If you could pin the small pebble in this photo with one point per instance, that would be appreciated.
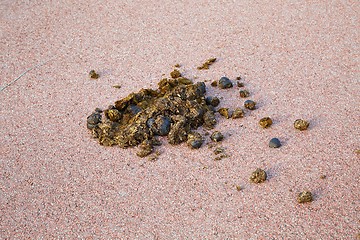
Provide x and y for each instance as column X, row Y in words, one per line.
column 249, row 104
column 225, row 82
column 258, row 176
column 213, row 101
column 274, row 143
column 304, row 197
column 217, row 136
column 265, row 122
column 244, row 93
column 301, row 124
column 238, row 113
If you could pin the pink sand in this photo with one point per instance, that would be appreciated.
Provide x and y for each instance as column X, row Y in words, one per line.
column 299, row 60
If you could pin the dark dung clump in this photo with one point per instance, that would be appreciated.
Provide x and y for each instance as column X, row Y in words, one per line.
column 175, row 109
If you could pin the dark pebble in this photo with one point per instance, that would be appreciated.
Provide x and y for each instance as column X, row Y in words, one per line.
column 225, row 82
column 93, row 120
column 195, row 140
column 274, row 143
column 213, row 101
column 249, row 104
column 159, row 126
column 201, row 87
column 217, row 136
column 134, row 109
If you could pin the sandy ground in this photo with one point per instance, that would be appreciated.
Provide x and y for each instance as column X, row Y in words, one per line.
column 299, row 59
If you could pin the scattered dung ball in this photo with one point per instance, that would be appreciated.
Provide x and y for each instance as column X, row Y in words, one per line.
column 93, row 120
column 207, row 63
column 175, row 74
column 217, row 136
column 238, row 113
column 93, row 74
column 301, row 124
column 258, row 176
column 304, row 197
column 213, row 101
column 265, row 122
column 225, row 82
column 249, row 104
column 225, row 112
column 274, row 143
column 195, row 140
column 244, row 93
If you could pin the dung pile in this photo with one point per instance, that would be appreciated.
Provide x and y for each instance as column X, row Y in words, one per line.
column 176, row 109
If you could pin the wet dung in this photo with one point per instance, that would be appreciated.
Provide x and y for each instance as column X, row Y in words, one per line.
column 175, row 110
